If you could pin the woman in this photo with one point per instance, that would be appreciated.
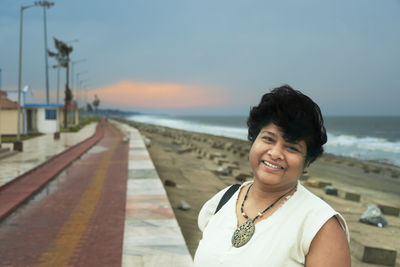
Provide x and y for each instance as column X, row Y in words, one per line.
column 273, row 220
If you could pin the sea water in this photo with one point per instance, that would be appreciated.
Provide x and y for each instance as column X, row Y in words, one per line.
column 367, row 138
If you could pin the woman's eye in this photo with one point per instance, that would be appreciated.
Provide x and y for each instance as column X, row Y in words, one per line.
column 267, row 138
column 292, row 148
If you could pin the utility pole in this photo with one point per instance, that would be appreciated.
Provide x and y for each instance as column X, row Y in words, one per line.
column 73, row 87
column 45, row 4
column 18, row 143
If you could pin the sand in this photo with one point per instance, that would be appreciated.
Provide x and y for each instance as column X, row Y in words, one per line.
column 189, row 161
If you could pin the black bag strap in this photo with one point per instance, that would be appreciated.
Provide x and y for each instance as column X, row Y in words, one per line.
column 228, row 194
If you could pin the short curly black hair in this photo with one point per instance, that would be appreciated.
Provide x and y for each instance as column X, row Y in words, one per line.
column 295, row 114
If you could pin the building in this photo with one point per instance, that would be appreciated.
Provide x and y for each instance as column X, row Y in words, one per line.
column 39, row 117
column 72, row 116
column 8, row 115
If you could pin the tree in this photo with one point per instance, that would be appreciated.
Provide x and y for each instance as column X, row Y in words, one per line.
column 62, row 56
column 96, row 102
column 89, row 107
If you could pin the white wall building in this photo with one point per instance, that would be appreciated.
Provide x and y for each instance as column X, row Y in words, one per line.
column 41, row 118
column 36, row 117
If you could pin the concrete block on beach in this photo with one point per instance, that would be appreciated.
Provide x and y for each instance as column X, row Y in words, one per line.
column 222, row 171
column 183, row 205
column 330, row 190
column 182, row 150
column 304, row 177
column 231, row 167
column 228, row 146
column 352, row 196
column 371, row 254
column 210, row 156
column 220, row 161
column 146, row 141
column 388, row 210
column 219, row 155
column 311, row 183
column 217, row 145
column 242, row 177
column 322, row 184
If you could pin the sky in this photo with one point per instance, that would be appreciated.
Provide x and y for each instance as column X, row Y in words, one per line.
column 212, row 57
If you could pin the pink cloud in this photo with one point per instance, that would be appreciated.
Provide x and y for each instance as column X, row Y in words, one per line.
column 160, row 95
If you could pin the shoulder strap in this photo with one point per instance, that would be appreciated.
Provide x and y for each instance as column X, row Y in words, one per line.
column 228, row 194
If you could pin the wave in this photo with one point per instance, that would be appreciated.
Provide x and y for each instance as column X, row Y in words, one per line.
column 365, row 148
column 228, row 131
column 369, row 143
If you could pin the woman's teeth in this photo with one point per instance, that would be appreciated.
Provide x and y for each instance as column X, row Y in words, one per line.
column 272, row 165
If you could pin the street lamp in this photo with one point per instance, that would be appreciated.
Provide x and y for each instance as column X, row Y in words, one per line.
column 45, row 4
column 77, row 81
column 72, row 70
column 18, row 143
column 57, row 134
column 81, row 85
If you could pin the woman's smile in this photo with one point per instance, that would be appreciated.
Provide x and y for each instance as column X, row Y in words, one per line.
column 272, row 166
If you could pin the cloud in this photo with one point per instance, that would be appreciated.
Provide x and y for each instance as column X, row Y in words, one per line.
column 134, row 94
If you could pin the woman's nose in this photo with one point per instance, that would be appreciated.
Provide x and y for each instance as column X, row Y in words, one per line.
column 276, row 152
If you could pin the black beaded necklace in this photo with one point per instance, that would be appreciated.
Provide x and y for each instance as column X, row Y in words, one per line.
column 245, row 231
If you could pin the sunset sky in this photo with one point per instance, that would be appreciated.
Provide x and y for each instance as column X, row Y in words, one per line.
column 213, row 57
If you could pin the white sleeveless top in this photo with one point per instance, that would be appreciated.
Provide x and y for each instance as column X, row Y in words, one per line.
column 283, row 239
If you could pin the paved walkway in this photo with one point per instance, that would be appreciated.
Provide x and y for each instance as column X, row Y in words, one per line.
column 39, row 149
column 107, row 209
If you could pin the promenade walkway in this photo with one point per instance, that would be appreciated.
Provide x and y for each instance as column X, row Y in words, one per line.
column 106, row 209
column 39, row 149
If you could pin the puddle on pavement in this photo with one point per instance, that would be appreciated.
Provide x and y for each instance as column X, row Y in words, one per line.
column 97, row 149
column 8, row 223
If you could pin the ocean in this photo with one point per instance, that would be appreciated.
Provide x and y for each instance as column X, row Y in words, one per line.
column 366, row 138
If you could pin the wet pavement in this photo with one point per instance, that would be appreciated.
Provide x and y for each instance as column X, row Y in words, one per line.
column 39, row 149
column 108, row 208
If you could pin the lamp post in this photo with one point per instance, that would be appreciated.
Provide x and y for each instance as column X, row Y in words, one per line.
column 18, row 143
column 81, row 85
column 72, row 71
column 57, row 133
column 45, row 4
column 77, row 81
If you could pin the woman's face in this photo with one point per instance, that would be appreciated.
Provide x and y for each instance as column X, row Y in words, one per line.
column 274, row 160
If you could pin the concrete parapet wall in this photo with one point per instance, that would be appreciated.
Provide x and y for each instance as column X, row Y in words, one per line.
column 152, row 236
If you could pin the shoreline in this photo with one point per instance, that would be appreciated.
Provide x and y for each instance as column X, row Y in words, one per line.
column 373, row 148
column 189, row 165
column 366, row 163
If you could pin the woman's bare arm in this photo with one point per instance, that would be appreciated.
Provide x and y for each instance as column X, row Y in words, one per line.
column 329, row 247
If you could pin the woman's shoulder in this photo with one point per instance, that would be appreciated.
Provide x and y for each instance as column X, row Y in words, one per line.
column 312, row 201
column 318, row 212
column 209, row 208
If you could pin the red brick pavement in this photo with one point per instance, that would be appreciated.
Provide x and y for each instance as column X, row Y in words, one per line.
column 81, row 223
column 14, row 193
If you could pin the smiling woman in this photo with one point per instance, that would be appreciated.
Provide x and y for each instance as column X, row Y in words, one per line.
column 273, row 220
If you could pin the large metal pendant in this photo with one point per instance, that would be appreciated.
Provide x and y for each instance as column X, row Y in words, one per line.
column 243, row 233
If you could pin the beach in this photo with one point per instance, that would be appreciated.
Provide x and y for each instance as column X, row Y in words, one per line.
column 195, row 166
